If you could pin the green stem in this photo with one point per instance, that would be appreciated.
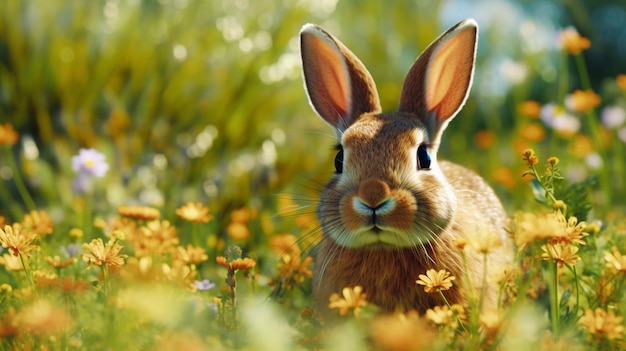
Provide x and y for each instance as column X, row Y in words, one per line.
column 554, row 300
column 19, row 182
column 443, row 297
column 27, row 271
column 106, row 284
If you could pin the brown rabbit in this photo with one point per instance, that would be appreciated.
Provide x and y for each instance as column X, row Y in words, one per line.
column 392, row 210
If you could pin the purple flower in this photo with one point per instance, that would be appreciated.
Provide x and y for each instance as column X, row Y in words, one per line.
column 71, row 250
column 90, row 162
column 204, row 285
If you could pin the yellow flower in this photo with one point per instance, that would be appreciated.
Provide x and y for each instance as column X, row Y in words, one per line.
column 238, row 231
column 529, row 157
column 484, row 241
column 38, row 222
column 603, row 323
column 582, row 101
column 615, row 260
column 403, row 332
column 533, row 132
column 353, row 300
column 139, row 212
column 529, row 108
column 435, row 281
column 485, row 139
column 18, row 241
column 56, row 262
column 552, row 226
column 293, row 269
column 560, row 254
column 440, row 315
column 191, row 254
column 8, row 136
column 12, row 263
column 572, row 41
column 571, row 230
column 99, row 254
column 194, row 212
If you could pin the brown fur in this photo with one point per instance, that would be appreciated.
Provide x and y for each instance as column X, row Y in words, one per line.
column 387, row 218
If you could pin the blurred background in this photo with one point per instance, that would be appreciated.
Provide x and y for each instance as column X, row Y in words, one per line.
column 203, row 100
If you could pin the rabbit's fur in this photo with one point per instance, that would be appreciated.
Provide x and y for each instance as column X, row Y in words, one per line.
column 392, row 210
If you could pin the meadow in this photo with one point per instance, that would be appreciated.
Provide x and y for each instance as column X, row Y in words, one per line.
column 160, row 167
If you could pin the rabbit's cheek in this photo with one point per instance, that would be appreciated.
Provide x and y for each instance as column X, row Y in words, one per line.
column 352, row 220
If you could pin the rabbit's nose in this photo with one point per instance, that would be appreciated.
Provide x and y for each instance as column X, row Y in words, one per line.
column 374, row 193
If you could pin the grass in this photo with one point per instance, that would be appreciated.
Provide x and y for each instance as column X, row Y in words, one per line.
column 197, row 109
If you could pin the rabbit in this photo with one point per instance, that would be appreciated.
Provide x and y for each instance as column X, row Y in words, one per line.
column 392, row 210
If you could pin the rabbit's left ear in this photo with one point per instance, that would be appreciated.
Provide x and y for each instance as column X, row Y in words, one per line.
column 438, row 84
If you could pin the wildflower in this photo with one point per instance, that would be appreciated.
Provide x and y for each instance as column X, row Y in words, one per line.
column 238, row 263
column 238, row 231
column 42, row 318
column 621, row 81
column 203, row 285
column 560, row 254
column 529, row 156
column 190, row 254
column 194, row 212
column 8, row 136
column 533, row 132
column 613, row 117
column 403, row 331
column 76, row 233
column 529, row 108
column 484, row 139
column 572, row 41
column 98, row 253
column 12, row 263
column 38, row 222
column 600, row 322
column 435, row 281
column 90, row 162
column 615, row 260
column 557, row 118
column 70, row 250
column 485, row 240
column 139, row 212
column 56, row 262
column 353, row 300
column 440, row 315
column 294, row 269
column 18, row 241
column 284, row 244
column 491, row 322
column 582, row 101
column 570, row 232
column 155, row 238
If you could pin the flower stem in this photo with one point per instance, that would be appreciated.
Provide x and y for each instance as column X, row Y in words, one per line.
column 19, row 182
column 27, row 271
column 554, row 300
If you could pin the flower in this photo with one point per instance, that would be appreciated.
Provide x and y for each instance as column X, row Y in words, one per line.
column 557, row 118
column 203, row 285
column 18, row 241
column 190, row 254
column 560, row 254
column 8, row 136
column 56, row 262
column 484, row 240
column 353, row 300
column 403, row 332
column 620, row 80
column 90, row 163
column 12, row 263
column 238, row 263
column 38, row 222
column 194, row 212
column 99, row 254
column 572, row 41
column 484, row 139
column 582, row 101
column 613, row 117
column 293, row 269
column 139, row 212
column 603, row 323
column 529, row 108
column 615, row 260
column 440, row 315
column 529, row 156
column 435, row 281
column 533, row 132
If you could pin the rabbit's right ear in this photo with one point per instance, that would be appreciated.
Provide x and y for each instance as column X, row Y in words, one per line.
column 338, row 85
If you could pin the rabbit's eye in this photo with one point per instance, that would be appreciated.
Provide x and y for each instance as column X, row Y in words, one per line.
column 339, row 160
column 423, row 158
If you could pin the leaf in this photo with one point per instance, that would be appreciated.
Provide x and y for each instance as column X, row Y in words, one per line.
column 538, row 191
column 576, row 196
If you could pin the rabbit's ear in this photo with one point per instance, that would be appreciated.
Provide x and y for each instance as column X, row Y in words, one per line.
column 338, row 85
column 438, row 84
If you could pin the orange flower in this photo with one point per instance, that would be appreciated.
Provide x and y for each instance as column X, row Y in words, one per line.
column 533, row 132
column 238, row 263
column 38, row 222
column 139, row 212
column 560, row 254
column 18, row 241
column 353, row 300
column 99, row 254
column 621, row 81
column 582, row 101
column 603, row 323
column 435, row 281
column 194, row 212
column 8, row 136
column 529, row 108
column 572, row 41
column 529, row 156
column 484, row 139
